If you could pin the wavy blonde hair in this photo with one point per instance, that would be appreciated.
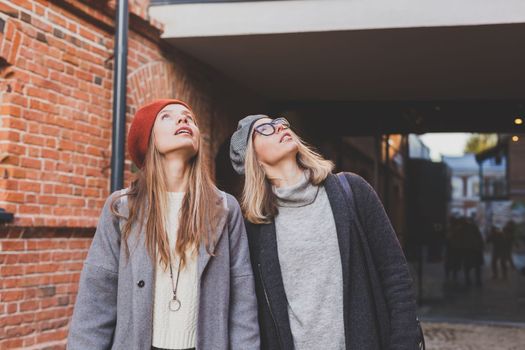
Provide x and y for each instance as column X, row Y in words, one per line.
column 258, row 202
column 200, row 211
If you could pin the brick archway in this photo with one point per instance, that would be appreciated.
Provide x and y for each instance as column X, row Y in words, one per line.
column 149, row 82
column 10, row 39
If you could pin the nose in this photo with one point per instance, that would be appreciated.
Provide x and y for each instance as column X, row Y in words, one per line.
column 182, row 119
column 279, row 127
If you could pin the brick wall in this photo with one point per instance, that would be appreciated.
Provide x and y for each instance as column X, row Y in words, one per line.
column 40, row 272
column 55, row 133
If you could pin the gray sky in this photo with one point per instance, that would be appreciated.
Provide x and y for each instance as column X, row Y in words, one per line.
column 448, row 144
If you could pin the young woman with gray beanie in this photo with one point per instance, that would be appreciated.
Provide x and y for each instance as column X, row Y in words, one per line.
column 328, row 275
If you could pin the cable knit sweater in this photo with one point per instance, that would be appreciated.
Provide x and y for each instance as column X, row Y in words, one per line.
column 175, row 329
column 311, row 266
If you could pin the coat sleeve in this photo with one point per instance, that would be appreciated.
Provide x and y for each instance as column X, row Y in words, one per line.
column 391, row 266
column 243, row 322
column 95, row 313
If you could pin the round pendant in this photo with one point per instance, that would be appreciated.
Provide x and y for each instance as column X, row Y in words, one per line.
column 174, row 305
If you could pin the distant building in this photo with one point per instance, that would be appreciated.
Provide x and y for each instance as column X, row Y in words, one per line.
column 416, row 148
column 465, row 180
column 503, row 195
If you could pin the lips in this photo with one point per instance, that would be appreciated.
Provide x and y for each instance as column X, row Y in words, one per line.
column 184, row 130
column 286, row 137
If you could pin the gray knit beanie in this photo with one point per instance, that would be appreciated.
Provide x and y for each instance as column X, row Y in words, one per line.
column 239, row 141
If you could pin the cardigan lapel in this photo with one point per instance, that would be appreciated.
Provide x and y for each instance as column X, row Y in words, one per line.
column 271, row 276
column 342, row 220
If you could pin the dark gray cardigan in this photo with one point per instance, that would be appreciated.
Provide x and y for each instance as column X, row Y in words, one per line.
column 378, row 301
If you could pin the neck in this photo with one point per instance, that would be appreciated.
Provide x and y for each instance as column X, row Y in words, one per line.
column 285, row 173
column 177, row 173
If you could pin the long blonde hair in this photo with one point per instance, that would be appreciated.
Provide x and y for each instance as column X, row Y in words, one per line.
column 259, row 203
column 147, row 202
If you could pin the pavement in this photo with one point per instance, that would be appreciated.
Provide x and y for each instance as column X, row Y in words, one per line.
column 498, row 300
column 459, row 317
column 459, row 336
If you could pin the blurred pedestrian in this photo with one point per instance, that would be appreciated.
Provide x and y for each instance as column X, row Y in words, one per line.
column 453, row 249
column 499, row 251
column 508, row 232
column 472, row 250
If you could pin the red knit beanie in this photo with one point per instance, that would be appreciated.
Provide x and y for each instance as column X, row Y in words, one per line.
column 141, row 126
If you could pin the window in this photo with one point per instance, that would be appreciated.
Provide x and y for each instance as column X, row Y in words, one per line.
column 457, row 187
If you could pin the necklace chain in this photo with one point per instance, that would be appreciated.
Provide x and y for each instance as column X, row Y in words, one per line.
column 174, row 304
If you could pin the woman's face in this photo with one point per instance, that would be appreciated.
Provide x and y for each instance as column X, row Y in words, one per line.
column 271, row 149
column 175, row 130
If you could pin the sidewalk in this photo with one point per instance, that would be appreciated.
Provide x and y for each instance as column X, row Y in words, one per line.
column 457, row 336
column 499, row 300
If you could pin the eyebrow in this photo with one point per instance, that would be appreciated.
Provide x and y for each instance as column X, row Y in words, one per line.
column 187, row 113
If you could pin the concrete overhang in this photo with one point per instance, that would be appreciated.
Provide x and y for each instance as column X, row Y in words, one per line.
column 358, row 50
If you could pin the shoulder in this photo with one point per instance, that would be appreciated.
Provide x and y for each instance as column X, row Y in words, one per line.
column 116, row 202
column 231, row 206
column 365, row 195
column 357, row 180
column 362, row 190
column 360, row 186
column 231, row 202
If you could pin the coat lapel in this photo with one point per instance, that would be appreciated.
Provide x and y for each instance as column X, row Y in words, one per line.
column 204, row 257
column 342, row 220
column 142, row 269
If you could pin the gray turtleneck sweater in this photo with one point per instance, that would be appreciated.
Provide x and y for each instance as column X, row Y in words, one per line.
column 311, row 266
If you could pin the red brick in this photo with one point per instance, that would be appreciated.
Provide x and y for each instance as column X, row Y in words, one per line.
column 17, row 123
column 11, row 295
column 8, row 10
column 16, row 197
column 12, row 308
column 45, row 268
column 14, row 48
column 11, row 160
column 9, row 135
column 29, row 209
column 31, row 163
column 15, row 148
column 11, row 270
column 12, row 245
column 29, row 258
column 56, row 18
column 12, row 343
column 54, row 335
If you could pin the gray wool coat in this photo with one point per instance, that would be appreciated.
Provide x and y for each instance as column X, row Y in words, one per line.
column 114, row 304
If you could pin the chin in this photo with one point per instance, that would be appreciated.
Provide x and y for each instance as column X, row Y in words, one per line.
column 288, row 149
column 189, row 150
column 290, row 146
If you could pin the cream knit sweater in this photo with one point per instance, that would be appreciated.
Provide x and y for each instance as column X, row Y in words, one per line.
column 175, row 330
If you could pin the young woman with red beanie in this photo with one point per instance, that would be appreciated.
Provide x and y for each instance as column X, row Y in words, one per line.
column 169, row 265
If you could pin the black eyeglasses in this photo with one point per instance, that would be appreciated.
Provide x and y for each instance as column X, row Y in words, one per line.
column 270, row 128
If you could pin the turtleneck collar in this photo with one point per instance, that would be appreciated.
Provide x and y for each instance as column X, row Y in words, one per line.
column 299, row 194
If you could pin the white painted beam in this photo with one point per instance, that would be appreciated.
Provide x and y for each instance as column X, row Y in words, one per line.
column 300, row 16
